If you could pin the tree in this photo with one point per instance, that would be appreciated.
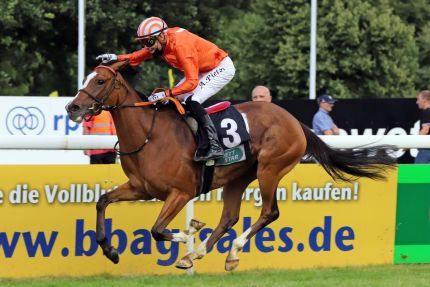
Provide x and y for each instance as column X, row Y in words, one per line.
column 363, row 50
column 40, row 40
column 417, row 14
column 27, row 34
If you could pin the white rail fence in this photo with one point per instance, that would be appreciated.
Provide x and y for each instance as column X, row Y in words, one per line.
column 81, row 142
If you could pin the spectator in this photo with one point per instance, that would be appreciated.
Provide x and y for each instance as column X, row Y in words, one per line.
column 423, row 103
column 322, row 123
column 101, row 124
column 261, row 94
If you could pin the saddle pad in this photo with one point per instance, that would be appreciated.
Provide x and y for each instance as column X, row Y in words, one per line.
column 231, row 127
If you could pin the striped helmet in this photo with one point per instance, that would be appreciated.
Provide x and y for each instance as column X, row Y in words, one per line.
column 152, row 26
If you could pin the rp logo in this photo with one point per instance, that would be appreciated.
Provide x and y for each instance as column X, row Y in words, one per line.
column 25, row 121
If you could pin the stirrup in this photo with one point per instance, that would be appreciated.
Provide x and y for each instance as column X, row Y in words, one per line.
column 215, row 154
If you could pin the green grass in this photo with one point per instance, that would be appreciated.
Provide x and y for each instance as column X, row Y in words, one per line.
column 378, row 276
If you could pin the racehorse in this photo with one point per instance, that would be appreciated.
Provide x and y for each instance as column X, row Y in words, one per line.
column 157, row 157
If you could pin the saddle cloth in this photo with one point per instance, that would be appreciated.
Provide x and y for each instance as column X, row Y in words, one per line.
column 232, row 130
column 231, row 127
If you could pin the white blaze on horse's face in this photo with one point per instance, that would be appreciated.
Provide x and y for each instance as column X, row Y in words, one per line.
column 91, row 76
column 87, row 81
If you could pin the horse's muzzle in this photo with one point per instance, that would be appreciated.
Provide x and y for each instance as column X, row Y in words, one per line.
column 74, row 112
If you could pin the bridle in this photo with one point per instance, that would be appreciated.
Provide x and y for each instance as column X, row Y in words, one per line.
column 98, row 104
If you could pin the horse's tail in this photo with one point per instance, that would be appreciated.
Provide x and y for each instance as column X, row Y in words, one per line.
column 363, row 162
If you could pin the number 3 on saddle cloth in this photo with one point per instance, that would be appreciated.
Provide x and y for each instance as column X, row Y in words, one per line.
column 233, row 133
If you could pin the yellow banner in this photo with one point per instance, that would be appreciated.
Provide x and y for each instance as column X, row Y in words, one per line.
column 48, row 219
column 321, row 223
column 48, row 224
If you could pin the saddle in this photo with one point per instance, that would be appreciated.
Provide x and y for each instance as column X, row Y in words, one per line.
column 233, row 132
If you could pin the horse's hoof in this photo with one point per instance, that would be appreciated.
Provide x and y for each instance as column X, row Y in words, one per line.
column 197, row 224
column 232, row 264
column 184, row 263
column 113, row 255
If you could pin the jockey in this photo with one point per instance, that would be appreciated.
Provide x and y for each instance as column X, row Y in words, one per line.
column 207, row 69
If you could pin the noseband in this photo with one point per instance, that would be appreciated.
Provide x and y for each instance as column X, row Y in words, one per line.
column 99, row 105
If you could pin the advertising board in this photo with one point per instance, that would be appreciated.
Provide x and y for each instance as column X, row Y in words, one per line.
column 321, row 223
column 48, row 224
column 47, row 227
column 38, row 116
column 413, row 218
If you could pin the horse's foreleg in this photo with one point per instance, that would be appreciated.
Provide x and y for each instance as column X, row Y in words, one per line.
column 232, row 194
column 124, row 192
column 173, row 204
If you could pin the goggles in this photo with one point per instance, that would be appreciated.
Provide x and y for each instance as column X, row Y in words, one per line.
column 148, row 42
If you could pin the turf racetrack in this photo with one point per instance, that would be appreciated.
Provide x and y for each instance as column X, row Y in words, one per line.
column 372, row 276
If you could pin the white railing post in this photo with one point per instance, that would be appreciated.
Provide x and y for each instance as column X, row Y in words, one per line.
column 190, row 243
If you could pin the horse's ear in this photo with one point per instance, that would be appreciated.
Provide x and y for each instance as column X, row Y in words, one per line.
column 120, row 65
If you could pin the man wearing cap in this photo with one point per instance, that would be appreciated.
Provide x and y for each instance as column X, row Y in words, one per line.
column 322, row 123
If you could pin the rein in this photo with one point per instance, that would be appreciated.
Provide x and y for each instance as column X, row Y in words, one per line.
column 148, row 137
column 178, row 105
column 99, row 105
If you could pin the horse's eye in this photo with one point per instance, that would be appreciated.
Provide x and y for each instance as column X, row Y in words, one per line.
column 100, row 82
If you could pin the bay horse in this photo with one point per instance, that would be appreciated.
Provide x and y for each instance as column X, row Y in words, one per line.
column 162, row 165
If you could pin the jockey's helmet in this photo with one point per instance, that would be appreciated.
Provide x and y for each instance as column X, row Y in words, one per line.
column 152, row 26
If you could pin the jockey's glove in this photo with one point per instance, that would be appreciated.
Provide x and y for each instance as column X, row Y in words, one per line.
column 157, row 96
column 107, row 58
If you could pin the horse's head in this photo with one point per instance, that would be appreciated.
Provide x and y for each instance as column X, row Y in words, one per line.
column 100, row 90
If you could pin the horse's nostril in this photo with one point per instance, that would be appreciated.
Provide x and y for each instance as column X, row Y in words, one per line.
column 74, row 108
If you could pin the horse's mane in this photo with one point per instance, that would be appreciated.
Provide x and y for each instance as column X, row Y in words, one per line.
column 131, row 76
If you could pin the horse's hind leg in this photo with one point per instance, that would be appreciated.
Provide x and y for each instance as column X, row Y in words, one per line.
column 124, row 192
column 269, row 177
column 193, row 228
column 232, row 196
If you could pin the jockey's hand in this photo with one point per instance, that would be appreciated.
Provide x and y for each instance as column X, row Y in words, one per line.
column 156, row 96
column 107, row 58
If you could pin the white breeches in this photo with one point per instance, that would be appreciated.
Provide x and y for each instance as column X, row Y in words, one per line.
column 211, row 82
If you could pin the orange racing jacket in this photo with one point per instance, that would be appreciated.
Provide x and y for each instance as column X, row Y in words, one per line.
column 185, row 51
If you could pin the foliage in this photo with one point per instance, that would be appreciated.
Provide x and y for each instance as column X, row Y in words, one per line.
column 417, row 14
column 365, row 48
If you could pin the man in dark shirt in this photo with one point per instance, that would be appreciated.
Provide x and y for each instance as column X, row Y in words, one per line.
column 423, row 102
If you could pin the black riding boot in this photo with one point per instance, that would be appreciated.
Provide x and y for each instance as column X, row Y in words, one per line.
column 211, row 147
column 215, row 149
